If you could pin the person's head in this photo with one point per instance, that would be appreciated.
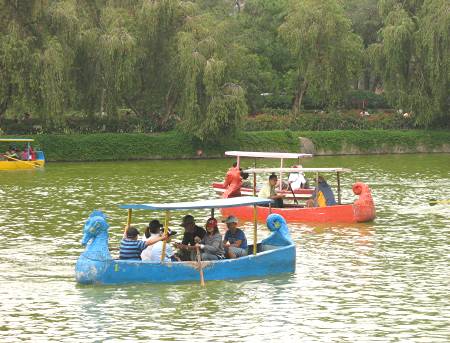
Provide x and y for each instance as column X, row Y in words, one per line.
column 188, row 222
column 154, row 227
column 211, row 226
column 244, row 175
column 234, row 164
column 321, row 179
column 273, row 179
column 231, row 222
column 132, row 233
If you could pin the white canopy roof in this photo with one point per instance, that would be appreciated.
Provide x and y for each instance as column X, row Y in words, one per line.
column 296, row 170
column 16, row 140
column 266, row 154
column 191, row 205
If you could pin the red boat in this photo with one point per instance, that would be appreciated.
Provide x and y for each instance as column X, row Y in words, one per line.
column 361, row 210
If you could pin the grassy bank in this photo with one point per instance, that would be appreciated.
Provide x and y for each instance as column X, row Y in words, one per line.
column 171, row 145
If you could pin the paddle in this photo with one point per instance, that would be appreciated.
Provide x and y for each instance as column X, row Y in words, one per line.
column 200, row 267
column 293, row 194
column 435, row 202
column 15, row 159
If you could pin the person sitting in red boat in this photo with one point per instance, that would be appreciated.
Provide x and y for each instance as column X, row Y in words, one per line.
column 268, row 191
column 297, row 180
column 233, row 182
column 322, row 196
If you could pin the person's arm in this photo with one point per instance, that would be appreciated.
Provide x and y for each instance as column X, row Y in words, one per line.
column 153, row 240
column 125, row 231
column 236, row 244
column 215, row 246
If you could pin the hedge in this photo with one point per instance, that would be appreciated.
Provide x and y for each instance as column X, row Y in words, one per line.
column 172, row 145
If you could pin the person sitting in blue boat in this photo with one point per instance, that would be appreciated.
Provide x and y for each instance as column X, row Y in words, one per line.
column 131, row 248
column 268, row 191
column 155, row 251
column 192, row 234
column 322, row 196
column 235, row 242
column 211, row 245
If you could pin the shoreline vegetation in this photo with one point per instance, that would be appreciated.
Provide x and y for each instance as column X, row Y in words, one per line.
column 173, row 145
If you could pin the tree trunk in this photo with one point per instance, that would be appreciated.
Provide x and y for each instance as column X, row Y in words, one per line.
column 302, row 86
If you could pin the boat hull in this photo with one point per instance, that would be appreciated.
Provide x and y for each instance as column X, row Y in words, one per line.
column 330, row 214
column 271, row 262
column 25, row 165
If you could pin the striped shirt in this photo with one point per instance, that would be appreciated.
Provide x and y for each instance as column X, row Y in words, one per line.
column 131, row 249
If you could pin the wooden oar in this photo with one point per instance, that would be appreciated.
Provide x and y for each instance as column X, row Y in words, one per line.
column 200, row 267
column 15, row 159
column 293, row 194
column 435, row 202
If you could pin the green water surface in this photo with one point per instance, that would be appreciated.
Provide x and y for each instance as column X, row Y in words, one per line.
column 385, row 281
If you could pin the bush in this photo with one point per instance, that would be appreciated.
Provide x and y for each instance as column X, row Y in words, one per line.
column 358, row 98
column 322, row 121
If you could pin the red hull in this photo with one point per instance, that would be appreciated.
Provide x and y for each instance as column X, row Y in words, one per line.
column 330, row 214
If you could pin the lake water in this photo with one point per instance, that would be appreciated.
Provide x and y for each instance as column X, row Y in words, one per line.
column 384, row 281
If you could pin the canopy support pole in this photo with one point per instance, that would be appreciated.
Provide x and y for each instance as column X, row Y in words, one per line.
column 238, row 160
column 254, row 184
column 339, row 187
column 166, row 229
column 212, row 213
column 281, row 177
column 255, row 230
column 317, row 190
column 129, row 217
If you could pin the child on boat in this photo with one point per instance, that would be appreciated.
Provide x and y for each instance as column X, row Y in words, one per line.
column 131, row 248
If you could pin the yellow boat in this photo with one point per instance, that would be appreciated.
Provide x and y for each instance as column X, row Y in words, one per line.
column 36, row 161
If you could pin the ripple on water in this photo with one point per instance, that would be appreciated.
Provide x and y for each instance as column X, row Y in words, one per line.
column 381, row 281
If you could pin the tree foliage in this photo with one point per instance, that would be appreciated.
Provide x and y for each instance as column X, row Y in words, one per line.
column 202, row 65
column 325, row 53
column 412, row 56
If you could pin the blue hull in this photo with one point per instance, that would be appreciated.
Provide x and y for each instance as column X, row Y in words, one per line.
column 276, row 255
column 272, row 262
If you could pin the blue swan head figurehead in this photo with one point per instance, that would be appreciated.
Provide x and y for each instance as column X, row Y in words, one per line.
column 95, row 225
column 280, row 232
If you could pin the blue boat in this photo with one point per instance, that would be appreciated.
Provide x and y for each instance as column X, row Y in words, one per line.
column 273, row 255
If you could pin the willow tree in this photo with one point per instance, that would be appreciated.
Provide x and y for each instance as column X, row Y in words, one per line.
column 412, row 56
column 325, row 53
column 211, row 105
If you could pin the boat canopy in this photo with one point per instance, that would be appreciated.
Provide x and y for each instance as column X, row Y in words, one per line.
column 191, row 205
column 296, row 170
column 281, row 155
column 16, row 140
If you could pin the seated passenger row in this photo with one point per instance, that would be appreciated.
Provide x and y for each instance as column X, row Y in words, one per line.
column 209, row 242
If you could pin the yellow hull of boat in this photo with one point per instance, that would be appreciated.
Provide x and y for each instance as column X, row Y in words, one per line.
column 21, row 165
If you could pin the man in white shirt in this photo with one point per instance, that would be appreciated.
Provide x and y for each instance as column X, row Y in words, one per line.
column 297, row 180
